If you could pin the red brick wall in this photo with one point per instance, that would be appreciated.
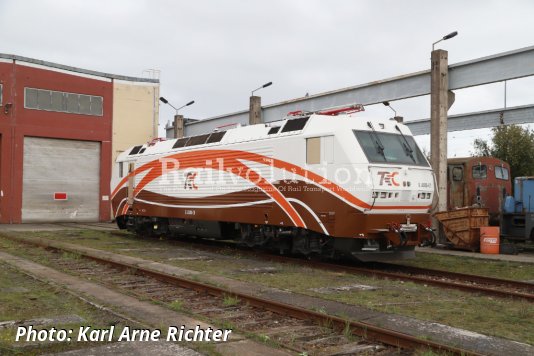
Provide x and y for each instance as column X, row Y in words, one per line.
column 20, row 122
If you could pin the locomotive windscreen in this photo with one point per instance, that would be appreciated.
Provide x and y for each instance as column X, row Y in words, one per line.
column 380, row 147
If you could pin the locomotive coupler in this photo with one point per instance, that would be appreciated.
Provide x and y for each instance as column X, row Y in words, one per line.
column 401, row 230
column 433, row 239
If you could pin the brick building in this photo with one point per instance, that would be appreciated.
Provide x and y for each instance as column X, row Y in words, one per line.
column 60, row 129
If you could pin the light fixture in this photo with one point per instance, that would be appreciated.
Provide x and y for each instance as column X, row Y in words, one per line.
column 446, row 37
column 263, row 86
column 165, row 101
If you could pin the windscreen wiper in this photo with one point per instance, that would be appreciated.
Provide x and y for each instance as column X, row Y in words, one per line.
column 407, row 149
column 379, row 145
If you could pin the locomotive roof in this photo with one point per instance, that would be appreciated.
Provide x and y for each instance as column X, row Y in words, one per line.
column 485, row 159
column 313, row 125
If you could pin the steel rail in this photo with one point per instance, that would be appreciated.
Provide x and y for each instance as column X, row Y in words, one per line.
column 452, row 284
column 367, row 331
column 403, row 276
column 429, row 272
column 458, row 275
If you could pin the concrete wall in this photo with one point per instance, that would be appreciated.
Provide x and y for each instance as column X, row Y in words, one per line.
column 135, row 114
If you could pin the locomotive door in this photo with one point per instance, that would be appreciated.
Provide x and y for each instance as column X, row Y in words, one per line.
column 456, row 186
column 320, row 151
column 131, row 183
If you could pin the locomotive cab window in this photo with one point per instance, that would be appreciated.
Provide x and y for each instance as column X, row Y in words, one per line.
column 480, row 171
column 457, row 174
column 273, row 130
column 121, row 169
column 216, row 137
column 135, row 150
column 382, row 147
column 295, row 124
column 501, row 173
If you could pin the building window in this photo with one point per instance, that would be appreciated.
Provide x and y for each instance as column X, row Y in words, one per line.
column 1, row 94
column 72, row 103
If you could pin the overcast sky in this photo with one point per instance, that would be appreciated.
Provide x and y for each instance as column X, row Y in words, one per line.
column 216, row 52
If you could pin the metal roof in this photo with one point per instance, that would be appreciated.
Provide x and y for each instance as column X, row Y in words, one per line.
column 76, row 70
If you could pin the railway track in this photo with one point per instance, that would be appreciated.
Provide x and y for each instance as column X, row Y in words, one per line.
column 503, row 288
column 297, row 329
column 468, row 282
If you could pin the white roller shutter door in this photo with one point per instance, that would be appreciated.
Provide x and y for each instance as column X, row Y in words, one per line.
column 60, row 166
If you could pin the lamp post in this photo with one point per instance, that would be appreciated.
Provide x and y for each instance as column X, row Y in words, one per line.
column 386, row 103
column 254, row 114
column 178, row 119
column 399, row 119
column 441, row 99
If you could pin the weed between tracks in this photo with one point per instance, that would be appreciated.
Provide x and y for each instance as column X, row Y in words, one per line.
column 488, row 315
column 24, row 298
column 177, row 305
column 230, row 301
column 40, row 255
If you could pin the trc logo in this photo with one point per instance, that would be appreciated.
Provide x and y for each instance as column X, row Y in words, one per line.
column 388, row 178
column 190, row 180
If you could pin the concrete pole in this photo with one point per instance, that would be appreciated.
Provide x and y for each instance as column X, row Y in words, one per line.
column 178, row 126
column 440, row 101
column 254, row 114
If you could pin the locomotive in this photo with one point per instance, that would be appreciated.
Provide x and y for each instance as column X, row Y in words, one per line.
column 484, row 181
column 324, row 183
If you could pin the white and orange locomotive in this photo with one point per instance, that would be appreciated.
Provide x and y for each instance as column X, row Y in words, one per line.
column 311, row 184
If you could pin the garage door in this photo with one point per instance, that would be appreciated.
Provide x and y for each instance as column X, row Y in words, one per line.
column 53, row 167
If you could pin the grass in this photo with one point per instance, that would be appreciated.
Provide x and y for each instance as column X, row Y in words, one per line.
column 230, row 301
column 177, row 305
column 347, row 332
column 492, row 316
column 129, row 244
column 490, row 268
column 41, row 255
column 70, row 256
column 23, row 298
